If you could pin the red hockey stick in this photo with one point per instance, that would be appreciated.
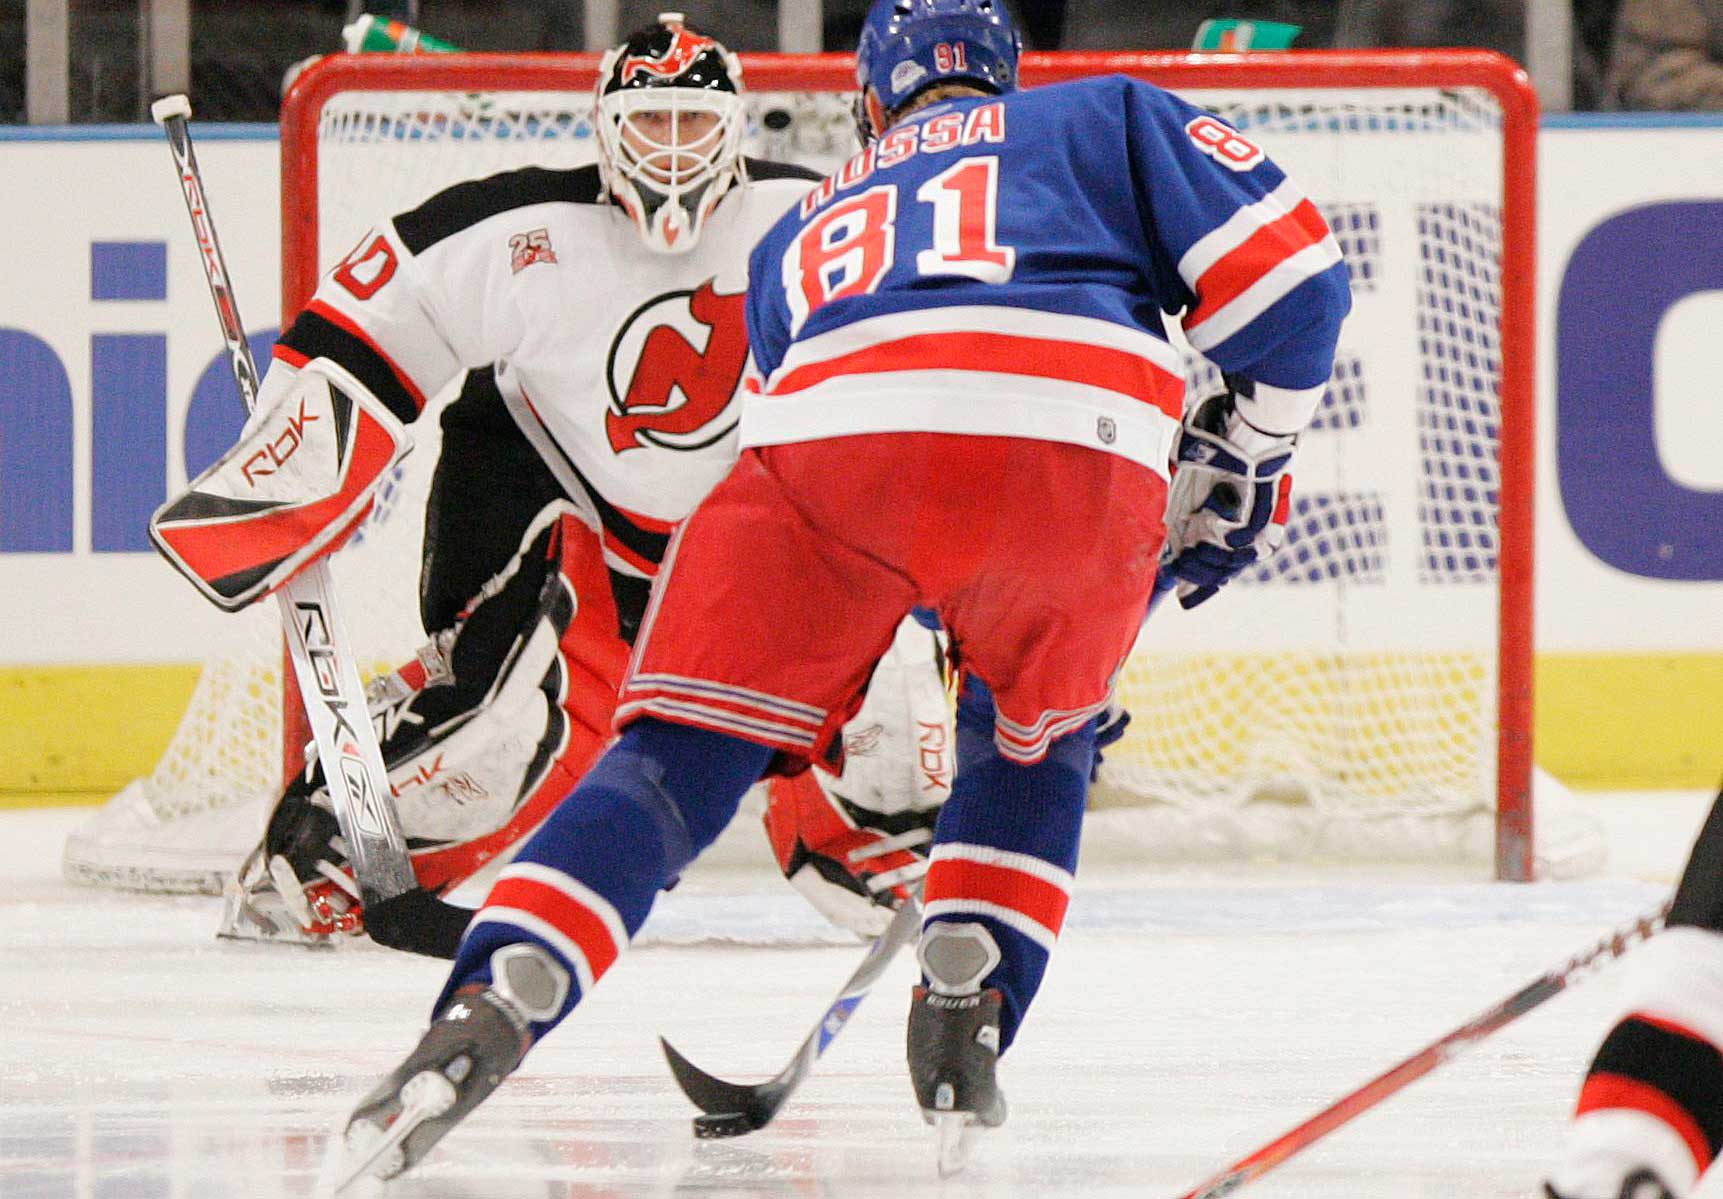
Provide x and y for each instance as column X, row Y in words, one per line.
column 1349, row 1107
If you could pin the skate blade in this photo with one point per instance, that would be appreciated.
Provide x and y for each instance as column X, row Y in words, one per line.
column 290, row 890
column 261, row 917
column 955, row 1141
column 371, row 1152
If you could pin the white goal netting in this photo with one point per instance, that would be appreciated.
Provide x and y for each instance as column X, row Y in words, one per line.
column 1339, row 704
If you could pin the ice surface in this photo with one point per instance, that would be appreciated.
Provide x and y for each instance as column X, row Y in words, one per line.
column 1183, row 1023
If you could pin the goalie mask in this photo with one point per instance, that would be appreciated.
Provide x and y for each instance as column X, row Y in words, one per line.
column 670, row 124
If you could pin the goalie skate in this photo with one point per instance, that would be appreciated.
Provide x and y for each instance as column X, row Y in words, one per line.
column 266, row 901
column 954, row 1039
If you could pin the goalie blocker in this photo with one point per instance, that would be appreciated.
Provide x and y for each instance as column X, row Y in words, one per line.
column 301, row 478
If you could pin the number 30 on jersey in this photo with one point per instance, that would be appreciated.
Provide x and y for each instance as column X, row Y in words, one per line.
column 852, row 245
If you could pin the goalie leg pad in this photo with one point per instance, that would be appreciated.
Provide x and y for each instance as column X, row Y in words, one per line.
column 483, row 735
column 855, row 845
column 301, row 478
column 576, row 690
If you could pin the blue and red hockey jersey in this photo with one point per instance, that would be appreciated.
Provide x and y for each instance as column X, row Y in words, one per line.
column 999, row 265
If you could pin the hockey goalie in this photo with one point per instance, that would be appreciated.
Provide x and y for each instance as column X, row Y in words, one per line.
column 592, row 417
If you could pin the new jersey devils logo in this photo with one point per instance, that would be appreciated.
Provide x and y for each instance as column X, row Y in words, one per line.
column 674, row 368
column 678, row 58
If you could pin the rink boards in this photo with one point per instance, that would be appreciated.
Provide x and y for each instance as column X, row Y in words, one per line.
column 114, row 381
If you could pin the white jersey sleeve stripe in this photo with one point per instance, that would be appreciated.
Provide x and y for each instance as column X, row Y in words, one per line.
column 1267, row 248
column 1260, row 296
column 1226, row 237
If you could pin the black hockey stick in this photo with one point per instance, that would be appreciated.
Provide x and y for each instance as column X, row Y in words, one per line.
column 1348, row 1107
column 731, row 1109
column 323, row 660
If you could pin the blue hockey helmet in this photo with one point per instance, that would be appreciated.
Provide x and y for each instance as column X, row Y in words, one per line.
column 908, row 46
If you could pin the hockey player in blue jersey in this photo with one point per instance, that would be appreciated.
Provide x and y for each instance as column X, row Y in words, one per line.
column 966, row 399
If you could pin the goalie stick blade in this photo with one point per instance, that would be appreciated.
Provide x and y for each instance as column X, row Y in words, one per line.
column 730, row 1109
column 418, row 921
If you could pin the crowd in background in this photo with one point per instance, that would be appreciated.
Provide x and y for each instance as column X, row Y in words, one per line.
column 1627, row 54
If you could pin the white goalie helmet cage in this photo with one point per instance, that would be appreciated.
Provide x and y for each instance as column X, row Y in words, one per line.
column 670, row 121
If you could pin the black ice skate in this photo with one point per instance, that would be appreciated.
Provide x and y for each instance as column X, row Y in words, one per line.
column 472, row 1045
column 954, row 1038
column 1641, row 1184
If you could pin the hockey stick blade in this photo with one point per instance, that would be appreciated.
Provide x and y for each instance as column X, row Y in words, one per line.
column 1391, row 1081
column 732, row 1109
column 729, row 1108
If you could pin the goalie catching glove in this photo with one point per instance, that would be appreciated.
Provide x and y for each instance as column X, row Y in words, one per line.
column 300, row 480
column 1231, row 492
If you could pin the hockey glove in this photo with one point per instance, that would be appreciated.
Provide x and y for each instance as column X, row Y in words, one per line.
column 1110, row 726
column 853, row 865
column 1229, row 501
column 305, row 847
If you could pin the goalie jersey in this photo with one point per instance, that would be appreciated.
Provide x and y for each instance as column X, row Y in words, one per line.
column 1000, row 265
column 620, row 365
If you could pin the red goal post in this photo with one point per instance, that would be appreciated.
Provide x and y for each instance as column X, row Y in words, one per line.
column 1390, row 642
column 1336, row 72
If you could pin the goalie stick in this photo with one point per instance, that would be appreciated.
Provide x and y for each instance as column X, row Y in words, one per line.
column 323, row 661
column 1348, row 1107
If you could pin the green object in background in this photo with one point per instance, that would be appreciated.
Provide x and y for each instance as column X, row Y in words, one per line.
column 379, row 35
column 1234, row 36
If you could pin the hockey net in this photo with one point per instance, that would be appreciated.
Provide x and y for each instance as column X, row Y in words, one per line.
column 1364, row 696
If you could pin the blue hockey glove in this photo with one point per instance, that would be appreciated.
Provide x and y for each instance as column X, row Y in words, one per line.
column 1110, row 725
column 1230, row 497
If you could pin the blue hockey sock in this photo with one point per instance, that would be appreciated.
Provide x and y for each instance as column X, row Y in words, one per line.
column 1005, row 848
column 585, row 882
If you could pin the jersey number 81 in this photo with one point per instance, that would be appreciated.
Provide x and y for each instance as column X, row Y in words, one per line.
column 852, row 245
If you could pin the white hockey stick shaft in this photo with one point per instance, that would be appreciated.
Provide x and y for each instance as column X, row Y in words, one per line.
column 323, row 659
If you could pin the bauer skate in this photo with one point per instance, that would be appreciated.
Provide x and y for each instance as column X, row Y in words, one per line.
column 954, row 1038
column 474, row 1043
